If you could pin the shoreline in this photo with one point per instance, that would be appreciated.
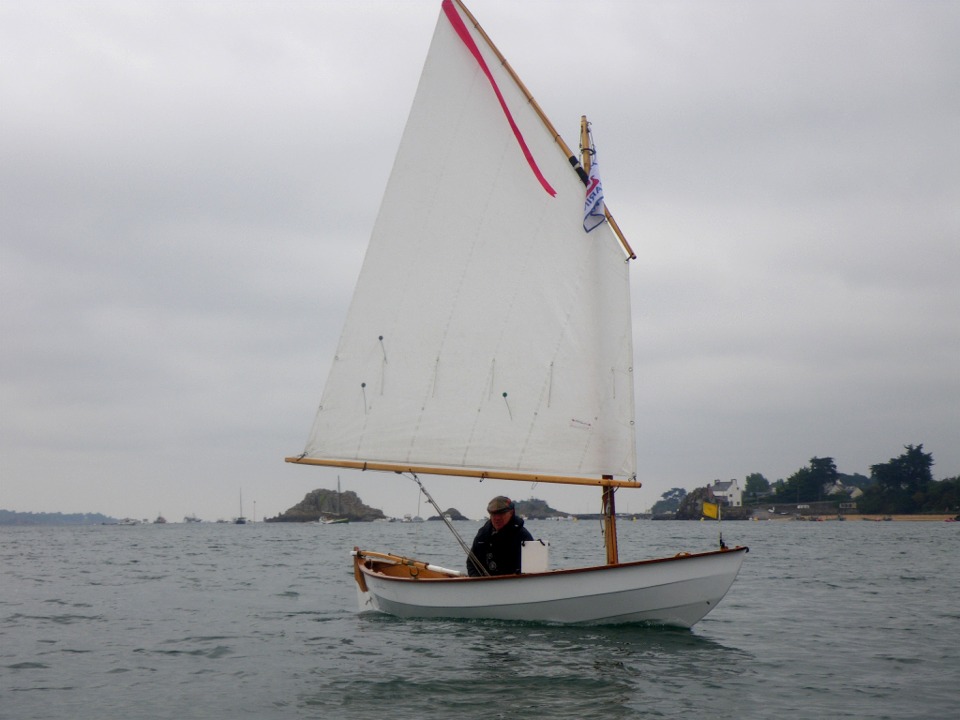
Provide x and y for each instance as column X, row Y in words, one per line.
column 907, row 518
column 873, row 518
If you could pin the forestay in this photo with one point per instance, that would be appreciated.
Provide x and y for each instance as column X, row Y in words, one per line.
column 488, row 331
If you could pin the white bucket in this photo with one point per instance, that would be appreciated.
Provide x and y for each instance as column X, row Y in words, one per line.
column 534, row 556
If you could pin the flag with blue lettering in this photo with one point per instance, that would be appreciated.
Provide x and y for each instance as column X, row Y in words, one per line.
column 594, row 214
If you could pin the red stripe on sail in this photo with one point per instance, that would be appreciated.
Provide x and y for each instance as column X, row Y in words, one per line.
column 461, row 29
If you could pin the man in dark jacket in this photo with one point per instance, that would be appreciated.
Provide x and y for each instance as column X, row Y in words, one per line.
column 497, row 544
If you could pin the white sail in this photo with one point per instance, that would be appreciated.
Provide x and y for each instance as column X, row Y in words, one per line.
column 488, row 331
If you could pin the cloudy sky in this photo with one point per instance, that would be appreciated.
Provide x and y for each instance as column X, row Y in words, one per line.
column 187, row 188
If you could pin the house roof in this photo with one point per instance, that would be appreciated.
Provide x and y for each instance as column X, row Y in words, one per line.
column 723, row 486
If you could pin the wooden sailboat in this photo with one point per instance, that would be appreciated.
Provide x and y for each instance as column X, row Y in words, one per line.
column 336, row 518
column 489, row 336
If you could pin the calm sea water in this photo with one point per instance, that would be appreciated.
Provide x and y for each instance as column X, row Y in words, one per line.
column 827, row 620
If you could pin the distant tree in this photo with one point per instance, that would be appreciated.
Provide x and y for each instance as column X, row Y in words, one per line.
column 944, row 496
column 11, row 517
column 910, row 472
column 756, row 484
column 824, row 471
column 855, row 480
column 806, row 485
column 799, row 487
column 669, row 502
column 902, row 483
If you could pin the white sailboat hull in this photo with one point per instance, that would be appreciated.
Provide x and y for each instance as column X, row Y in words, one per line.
column 677, row 591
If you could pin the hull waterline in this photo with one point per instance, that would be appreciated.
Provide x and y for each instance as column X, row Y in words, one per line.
column 677, row 591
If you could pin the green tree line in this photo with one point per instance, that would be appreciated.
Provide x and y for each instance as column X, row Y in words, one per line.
column 902, row 485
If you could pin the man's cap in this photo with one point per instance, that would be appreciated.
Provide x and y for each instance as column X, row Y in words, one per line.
column 500, row 504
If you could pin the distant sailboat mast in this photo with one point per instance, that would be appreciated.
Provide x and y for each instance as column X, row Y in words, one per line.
column 241, row 520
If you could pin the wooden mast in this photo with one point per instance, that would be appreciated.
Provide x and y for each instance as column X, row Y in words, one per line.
column 610, row 525
column 586, row 157
column 609, row 509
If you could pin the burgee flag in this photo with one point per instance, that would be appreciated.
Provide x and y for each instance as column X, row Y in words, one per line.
column 711, row 510
column 593, row 209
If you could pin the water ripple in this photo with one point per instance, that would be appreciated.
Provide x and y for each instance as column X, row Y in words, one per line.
column 259, row 621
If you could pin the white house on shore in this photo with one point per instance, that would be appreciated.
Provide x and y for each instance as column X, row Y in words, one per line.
column 728, row 491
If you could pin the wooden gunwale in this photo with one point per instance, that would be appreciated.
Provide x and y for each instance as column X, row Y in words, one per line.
column 367, row 566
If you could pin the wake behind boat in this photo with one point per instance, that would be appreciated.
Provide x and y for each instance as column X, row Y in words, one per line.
column 490, row 336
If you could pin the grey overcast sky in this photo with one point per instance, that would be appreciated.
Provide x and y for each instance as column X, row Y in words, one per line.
column 188, row 188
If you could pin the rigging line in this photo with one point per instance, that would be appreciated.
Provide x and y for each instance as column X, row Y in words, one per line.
column 603, row 509
column 466, row 548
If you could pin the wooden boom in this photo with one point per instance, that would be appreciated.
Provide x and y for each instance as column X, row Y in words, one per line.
column 464, row 472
